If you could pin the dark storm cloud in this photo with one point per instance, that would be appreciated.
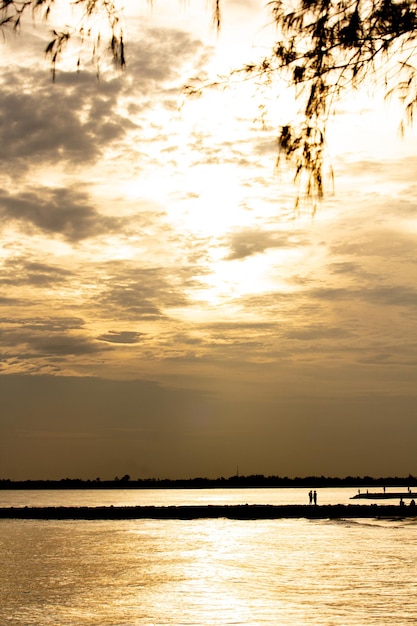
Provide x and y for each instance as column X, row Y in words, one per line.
column 123, row 337
column 60, row 211
column 247, row 242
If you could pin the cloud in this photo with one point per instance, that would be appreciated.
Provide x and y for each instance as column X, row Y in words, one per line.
column 45, row 324
column 6, row 301
column 49, row 338
column 59, row 211
column 400, row 170
column 317, row 332
column 383, row 295
column 383, row 243
column 159, row 57
column 123, row 337
column 62, row 345
column 249, row 241
column 348, row 268
column 69, row 121
column 392, row 295
column 26, row 272
column 138, row 293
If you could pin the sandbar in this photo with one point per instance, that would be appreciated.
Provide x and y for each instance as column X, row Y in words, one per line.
column 238, row 512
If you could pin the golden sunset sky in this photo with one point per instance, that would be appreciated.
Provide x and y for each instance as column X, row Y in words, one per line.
column 165, row 310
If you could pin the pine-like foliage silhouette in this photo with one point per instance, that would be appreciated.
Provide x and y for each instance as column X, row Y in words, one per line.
column 324, row 48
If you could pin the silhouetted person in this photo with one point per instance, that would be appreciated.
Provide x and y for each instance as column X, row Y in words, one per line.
column 310, row 497
column 315, row 496
column 412, row 503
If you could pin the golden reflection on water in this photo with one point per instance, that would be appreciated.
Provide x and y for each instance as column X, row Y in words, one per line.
column 208, row 572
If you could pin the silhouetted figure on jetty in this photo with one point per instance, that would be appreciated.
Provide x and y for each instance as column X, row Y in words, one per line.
column 310, row 497
column 315, row 496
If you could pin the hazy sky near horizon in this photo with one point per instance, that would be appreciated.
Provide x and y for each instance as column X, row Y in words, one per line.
column 164, row 310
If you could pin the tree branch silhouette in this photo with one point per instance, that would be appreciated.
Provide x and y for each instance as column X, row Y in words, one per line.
column 323, row 49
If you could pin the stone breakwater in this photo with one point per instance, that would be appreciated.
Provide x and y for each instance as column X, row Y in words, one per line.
column 238, row 512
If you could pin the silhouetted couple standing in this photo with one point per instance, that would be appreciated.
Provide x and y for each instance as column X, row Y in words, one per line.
column 312, row 497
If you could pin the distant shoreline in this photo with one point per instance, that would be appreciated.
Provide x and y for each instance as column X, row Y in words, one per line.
column 237, row 512
column 253, row 481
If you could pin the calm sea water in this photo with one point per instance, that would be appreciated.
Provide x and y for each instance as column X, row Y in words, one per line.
column 205, row 572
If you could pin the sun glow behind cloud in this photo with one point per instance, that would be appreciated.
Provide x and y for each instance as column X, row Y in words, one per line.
column 147, row 235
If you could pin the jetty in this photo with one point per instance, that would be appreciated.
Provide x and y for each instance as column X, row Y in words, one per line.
column 236, row 512
column 389, row 495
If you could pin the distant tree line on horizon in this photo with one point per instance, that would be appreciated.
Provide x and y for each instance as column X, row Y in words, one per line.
column 254, row 480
